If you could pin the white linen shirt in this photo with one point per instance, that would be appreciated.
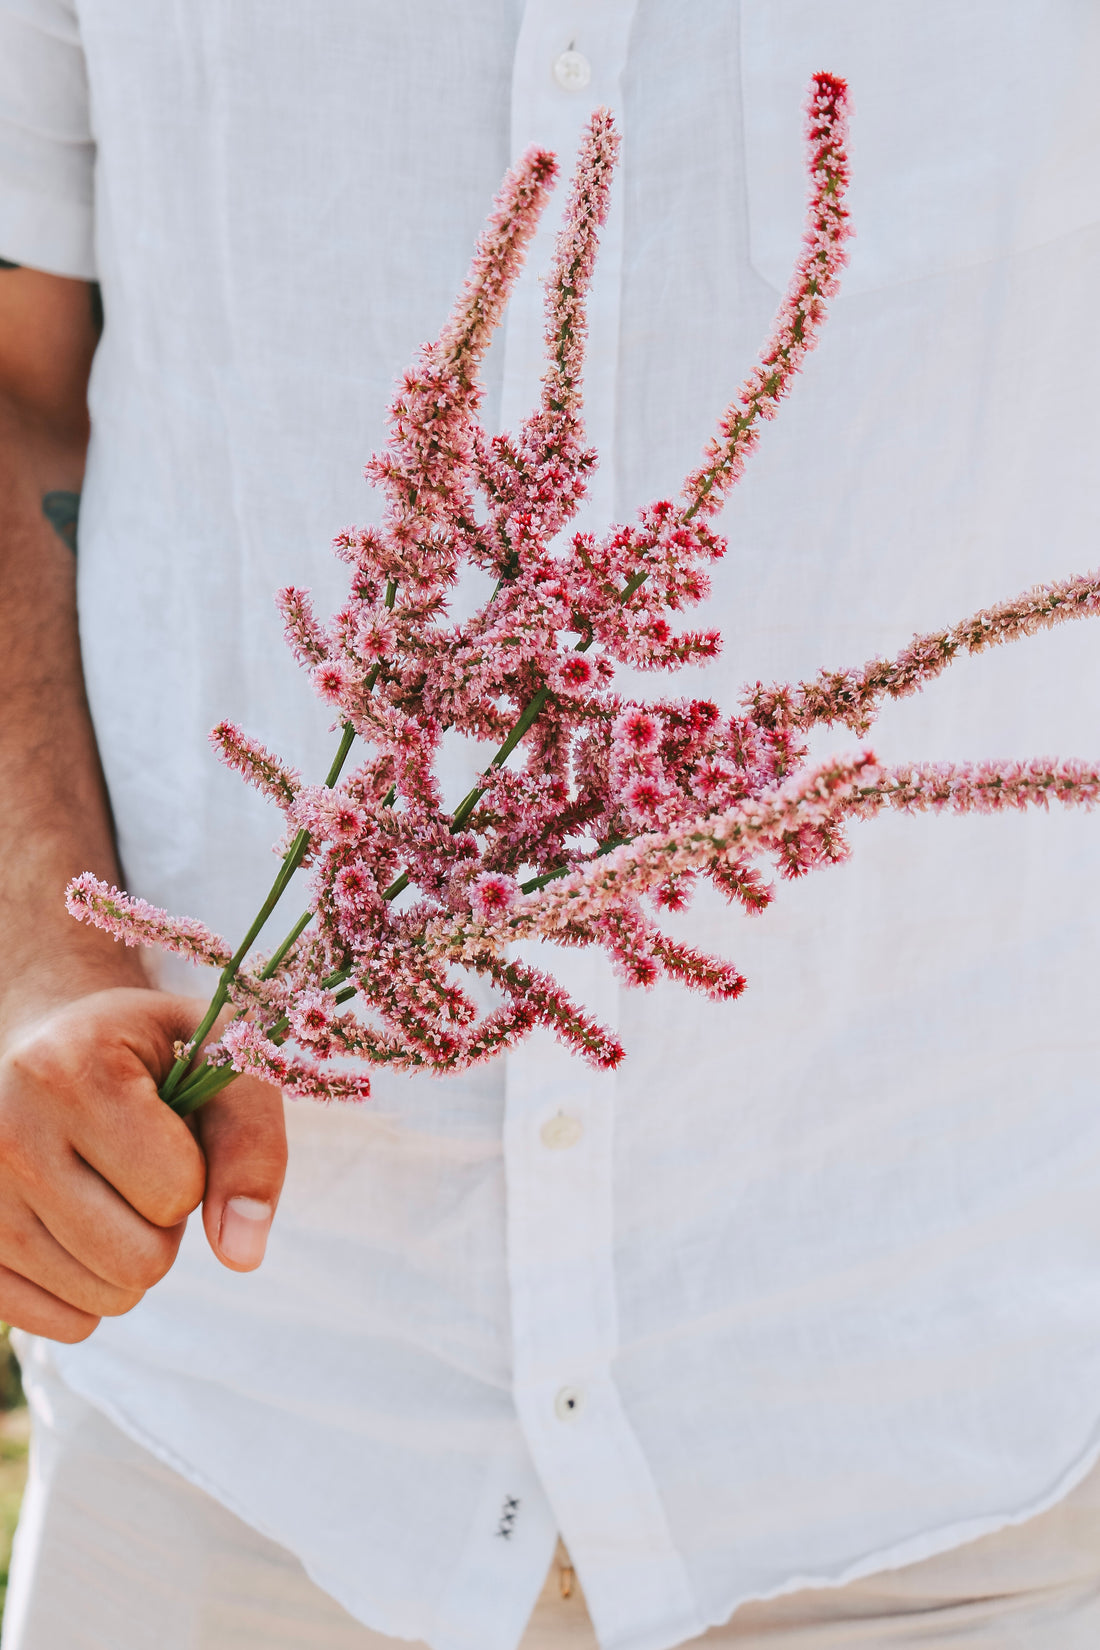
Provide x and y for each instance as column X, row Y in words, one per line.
column 811, row 1286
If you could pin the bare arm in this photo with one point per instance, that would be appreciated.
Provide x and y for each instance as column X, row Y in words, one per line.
column 55, row 821
column 97, row 1176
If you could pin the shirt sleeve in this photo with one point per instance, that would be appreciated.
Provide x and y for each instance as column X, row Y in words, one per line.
column 47, row 153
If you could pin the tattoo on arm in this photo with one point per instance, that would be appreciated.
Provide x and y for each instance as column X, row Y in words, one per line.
column 61, row 510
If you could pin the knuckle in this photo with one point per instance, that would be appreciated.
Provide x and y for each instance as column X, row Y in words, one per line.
column 18, row 1245
column 38, row 1091
column 29, row 1164
column 17, row 1156
column 121, row 1302
column 141, row 1265
column 33, row 1060
column 171, row 1205
column 132, row 1273
column 158, row 1266
column 184, row 1197
column 41, row 1060
column 21, row 1124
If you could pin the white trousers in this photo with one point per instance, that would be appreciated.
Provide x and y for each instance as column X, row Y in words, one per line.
column 117, row 1552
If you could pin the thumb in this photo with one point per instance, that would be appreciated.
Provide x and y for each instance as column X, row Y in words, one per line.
column 243, row 1137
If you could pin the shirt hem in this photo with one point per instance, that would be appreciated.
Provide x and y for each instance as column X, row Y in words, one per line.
column 117, row 1414
column 433, row 1634
column 915, row 1549
column 912, row 1550
column 53, row 236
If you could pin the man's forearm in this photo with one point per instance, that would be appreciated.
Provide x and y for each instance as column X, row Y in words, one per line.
column 56, row 818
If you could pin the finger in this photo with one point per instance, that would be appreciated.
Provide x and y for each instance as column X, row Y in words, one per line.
column 33, row 1253
column 139, row 1146
column 105, row 1080
column 97, row 1226
column 243, row 1135
column 28, row 1307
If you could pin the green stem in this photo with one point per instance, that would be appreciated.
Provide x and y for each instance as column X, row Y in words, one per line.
column 207, row 1081
column 472, row 798
column 533, row 884
column 195, row 1094
column 346, row 741
column 295, row 934
column 291, row 861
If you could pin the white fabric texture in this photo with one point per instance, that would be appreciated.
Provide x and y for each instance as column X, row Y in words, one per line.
column 822, row 1272
column 46, row 149
column 115, row 1551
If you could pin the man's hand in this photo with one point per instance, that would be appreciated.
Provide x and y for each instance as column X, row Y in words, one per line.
column 98, row 1175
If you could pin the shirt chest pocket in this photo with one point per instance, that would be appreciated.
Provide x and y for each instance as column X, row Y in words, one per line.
column 975, row 133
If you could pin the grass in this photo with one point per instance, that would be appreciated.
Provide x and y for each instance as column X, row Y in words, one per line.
column 15, row 1430
column 14, row 1437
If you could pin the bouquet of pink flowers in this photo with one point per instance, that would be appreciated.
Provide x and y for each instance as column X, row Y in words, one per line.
column 612, row 806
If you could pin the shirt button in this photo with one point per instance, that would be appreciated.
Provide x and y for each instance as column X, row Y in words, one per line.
column 572, row 71
column 568, row 1403
column 560, row 1132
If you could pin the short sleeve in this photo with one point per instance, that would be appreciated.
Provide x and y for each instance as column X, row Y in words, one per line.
column 47, row 154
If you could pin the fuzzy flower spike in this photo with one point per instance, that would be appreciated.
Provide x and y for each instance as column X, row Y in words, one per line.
column 597, row 812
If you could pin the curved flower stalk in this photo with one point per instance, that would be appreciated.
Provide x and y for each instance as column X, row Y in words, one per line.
column 798, row 824
column 136, row 922
column 852, row 697
column 598, row 811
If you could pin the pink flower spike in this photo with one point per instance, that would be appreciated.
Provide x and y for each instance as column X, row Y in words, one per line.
column 802, row 312
column 497, row 261
column 256, row 764
column 302, row 630
column 250, row 1051
column 136, row 922
column 574, row 263
column 854, row 697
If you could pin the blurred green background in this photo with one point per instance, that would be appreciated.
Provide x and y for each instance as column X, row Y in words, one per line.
column 14, row 1437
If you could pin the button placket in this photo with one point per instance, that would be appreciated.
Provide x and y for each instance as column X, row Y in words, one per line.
column 565, row 1329
column 558, row 1160
column 559, row 1196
